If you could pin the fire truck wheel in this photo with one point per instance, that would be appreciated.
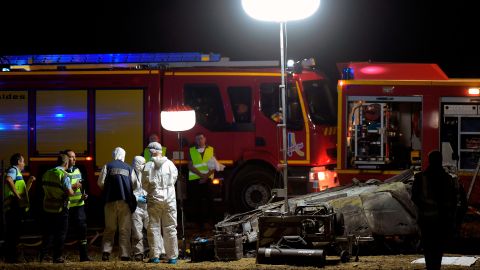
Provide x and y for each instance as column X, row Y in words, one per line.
column 252, row 188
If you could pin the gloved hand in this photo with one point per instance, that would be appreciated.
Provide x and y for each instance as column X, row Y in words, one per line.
column 142, row 199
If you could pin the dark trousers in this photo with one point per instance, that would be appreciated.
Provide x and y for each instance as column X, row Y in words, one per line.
column 13, row 229
column 433, row 242
column 55, row 227
column 200, row 201
column 78, row 222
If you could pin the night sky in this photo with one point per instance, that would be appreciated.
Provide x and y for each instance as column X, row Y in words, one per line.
column 342, row 30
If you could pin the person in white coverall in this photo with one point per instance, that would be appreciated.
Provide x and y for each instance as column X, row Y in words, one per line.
column 115, row 181
column 159, row 177
column 140, row 216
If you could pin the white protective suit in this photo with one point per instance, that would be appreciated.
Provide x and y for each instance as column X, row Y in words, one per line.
column 140, row 216
column 159, row 177
column 116, row 211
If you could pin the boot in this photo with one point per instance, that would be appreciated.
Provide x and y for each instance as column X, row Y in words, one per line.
column 138, row 257
column 40, row 256
column 43, row 256
column 84, row 253
column 105, row 256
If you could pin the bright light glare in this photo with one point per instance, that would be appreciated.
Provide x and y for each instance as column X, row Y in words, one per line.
column 178, row 118
column 280, row 10
column 290, row 63
column 473, row 91
column 321, row 176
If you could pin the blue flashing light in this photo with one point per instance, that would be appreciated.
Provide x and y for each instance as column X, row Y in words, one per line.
column 10, row 127
column 111, row 58
column 348, row 74
column 59, row 115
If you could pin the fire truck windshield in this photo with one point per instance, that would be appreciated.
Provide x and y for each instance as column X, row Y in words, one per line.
column 321, row 102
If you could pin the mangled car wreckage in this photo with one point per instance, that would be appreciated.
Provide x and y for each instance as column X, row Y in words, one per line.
column 370, row 214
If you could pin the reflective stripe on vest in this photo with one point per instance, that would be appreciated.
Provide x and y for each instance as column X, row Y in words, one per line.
column 76, row 199
column 21, row 188
column 199, row 163
column 148, row 156
column 54, row 198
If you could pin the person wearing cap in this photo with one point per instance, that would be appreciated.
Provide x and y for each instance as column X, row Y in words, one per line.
column 146, row 152
column 158, row 178
column 115, row 181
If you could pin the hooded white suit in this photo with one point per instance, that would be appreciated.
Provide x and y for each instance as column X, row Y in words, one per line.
column 140, row 216
column 159, row 177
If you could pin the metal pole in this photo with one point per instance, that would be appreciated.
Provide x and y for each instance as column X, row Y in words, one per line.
column 284, row 115
column 181, row 193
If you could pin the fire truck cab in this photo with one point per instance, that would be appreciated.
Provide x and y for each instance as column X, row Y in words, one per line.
column 93, row 103
column 391, row 115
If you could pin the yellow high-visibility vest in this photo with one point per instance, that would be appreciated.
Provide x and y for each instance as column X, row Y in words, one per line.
column 21, row 188
column 200, row 163
column 54, row 199
column 76, row 199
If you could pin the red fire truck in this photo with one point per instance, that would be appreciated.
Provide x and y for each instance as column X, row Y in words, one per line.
column 391, row 115
column 93, row 103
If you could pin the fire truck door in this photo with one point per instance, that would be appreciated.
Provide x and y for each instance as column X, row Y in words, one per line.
column 460, row 132
column 268, row 122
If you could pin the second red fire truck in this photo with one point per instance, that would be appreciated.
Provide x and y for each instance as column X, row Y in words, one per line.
column 391, row 115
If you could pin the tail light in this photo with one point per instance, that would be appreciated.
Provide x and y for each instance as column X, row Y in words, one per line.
column 321, row 178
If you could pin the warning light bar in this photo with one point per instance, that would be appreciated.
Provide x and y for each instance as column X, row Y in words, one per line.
column 117, row 58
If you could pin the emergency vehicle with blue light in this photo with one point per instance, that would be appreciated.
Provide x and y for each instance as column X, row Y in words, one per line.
column 93, row 103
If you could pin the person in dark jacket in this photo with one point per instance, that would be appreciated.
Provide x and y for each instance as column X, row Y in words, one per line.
column 435, row 196
column 116, row 182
